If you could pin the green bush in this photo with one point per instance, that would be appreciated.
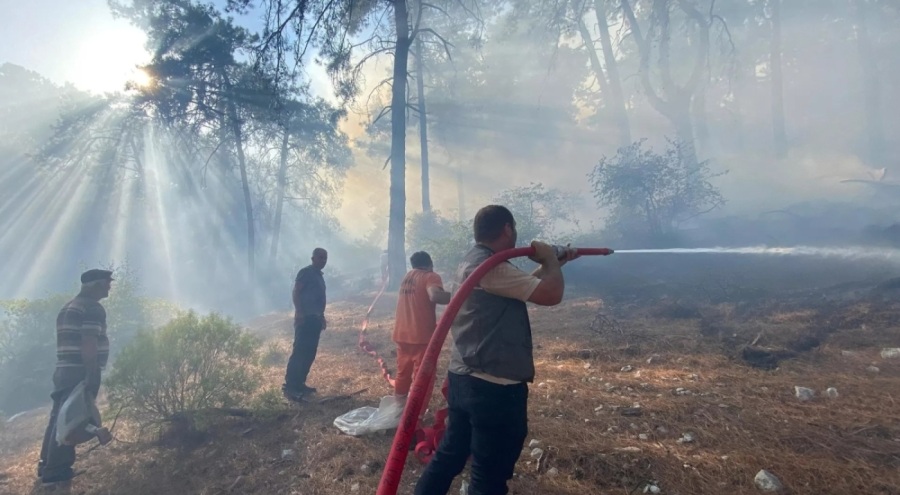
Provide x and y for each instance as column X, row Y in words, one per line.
column 269, row 403
column 190, row 364
column 445, row 240
column 28, row 337
column 273, row 355
column 27, row 352
column 650, row 195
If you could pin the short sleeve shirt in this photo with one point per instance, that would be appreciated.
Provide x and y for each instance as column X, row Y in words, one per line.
column 415, row 321
column 312, row 291
column 508, row 281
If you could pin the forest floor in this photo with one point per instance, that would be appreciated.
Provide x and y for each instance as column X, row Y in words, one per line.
column 626, row 399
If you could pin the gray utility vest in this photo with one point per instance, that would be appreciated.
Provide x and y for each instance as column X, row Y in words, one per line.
column 491, row 334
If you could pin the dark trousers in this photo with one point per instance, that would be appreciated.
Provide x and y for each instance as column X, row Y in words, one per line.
column 306, row 344
column 57, row 460
column 486, row 420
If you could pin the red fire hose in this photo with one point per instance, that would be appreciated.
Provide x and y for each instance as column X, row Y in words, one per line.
column 420, row 390
column 364, row 344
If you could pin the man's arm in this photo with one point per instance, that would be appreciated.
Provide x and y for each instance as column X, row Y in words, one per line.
column 89, row 331
column 89, row 357
column 295, row 293
column 549, row 291
column 438, row 295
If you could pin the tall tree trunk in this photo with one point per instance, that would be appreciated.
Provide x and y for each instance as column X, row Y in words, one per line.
column 397, row 219
column 245, row 183
column 617, row 95
column 679, row 112
column 423, row 126
column 279, row 201
column 871, row 87
column 672, row 101
column 778, row 126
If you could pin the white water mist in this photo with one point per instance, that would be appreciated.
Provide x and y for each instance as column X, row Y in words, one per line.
column 853, row 252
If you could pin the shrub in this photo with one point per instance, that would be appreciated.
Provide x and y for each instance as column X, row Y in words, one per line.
column 445, row 240
column 269, row 403
column 538, row 211
column 27, row 352
column 190, row 364
column 651, row 194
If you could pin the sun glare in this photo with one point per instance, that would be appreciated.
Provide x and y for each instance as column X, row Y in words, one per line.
column 106, row 60
column 141, row 78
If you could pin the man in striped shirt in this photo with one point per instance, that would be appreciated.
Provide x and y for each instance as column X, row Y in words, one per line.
column 82, row 349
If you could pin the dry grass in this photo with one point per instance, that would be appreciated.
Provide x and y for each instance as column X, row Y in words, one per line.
column 742, row 419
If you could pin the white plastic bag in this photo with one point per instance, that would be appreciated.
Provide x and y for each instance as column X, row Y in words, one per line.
column 368, row 419
column 78, row 418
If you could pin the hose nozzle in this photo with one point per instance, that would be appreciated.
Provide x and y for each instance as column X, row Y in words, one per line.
column 561, row 251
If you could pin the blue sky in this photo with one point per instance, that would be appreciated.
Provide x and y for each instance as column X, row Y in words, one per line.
column 79, row 41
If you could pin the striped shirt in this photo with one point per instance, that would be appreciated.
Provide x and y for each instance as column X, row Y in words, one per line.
column 78, row 318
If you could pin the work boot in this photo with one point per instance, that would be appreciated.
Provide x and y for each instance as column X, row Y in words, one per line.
column 57, row 487
column 306, row 390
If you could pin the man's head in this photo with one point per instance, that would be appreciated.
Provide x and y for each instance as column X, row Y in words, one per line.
column 96, row 283
column 319, row 258
column 495, row 227
column 421, row 260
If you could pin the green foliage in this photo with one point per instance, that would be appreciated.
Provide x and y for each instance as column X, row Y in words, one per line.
column 127, row 312
column 538, row 211
column 273, row 355
column 651, row 194
column 268, row 403
column 191, row 363
column 27, row 351
column 445, row 240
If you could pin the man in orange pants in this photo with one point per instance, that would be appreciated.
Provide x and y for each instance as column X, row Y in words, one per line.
column 420, row 292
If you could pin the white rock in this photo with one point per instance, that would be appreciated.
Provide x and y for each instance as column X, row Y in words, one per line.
column 533, row 443
column 767, row 481
column 873, row 369
column 537, row 453
column 354, row 487
column 804, row 393
column 552, row 472
column 643, row 436
column 831, row 392
column 686, row 438
column 627, row 368
column 890, row 353
column 287, row 454
column 598, row 408
column 652, row 489
column 629, row 449
column 542, row 385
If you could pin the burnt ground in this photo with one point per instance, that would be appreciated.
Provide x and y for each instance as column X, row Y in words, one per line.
column 620, row 384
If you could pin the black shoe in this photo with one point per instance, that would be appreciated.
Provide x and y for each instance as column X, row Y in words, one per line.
column 58, row 481
column 307, row 390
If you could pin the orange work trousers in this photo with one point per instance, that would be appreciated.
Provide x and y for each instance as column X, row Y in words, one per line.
column 409, row 357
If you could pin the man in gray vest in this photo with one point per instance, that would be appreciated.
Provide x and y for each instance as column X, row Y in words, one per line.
column 491, row 361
